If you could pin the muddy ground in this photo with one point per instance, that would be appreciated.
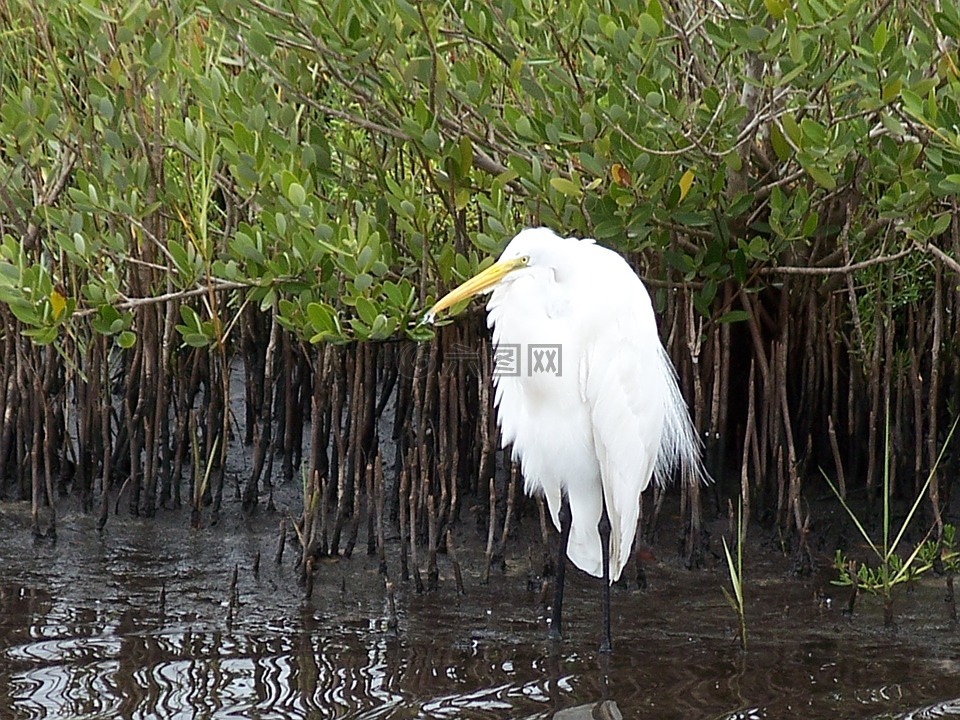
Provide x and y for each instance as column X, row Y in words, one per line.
column 139, row 622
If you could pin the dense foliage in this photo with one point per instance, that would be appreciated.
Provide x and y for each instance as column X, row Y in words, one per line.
column 339, row 156
column 174, row 172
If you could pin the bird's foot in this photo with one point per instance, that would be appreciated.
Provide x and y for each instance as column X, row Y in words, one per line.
column 554, row 635
column 606, row 647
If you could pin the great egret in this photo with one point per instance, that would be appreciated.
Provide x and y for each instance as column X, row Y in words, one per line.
column 585, row 392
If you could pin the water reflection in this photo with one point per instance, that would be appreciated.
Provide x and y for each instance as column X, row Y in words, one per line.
column 83, row 634
column 337, row 674
column 945, row 709
column 603, row 710
column 64, row 661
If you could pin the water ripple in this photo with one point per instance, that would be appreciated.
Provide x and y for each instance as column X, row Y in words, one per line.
column 83, row 635
column 944, row 709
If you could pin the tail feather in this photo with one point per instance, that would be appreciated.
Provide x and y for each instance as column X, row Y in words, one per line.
column 680, row 446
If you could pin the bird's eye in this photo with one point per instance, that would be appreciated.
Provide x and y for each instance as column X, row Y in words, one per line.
column 524, row 259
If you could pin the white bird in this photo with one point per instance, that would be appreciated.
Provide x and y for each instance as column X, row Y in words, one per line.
column 585, row 392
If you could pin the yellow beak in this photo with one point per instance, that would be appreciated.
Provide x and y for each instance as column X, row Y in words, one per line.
column 481, row 282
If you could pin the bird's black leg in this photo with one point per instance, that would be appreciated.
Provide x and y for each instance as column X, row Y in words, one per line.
column 565, row 520
column 603, row 527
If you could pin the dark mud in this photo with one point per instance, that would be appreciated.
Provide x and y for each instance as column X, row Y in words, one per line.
column 146, row 621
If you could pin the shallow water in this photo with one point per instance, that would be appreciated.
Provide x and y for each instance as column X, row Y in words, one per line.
column 137, row 623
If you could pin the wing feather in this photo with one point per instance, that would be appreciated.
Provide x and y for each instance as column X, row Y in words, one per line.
column 615, row 418
column 640, row 423
column 624, row 386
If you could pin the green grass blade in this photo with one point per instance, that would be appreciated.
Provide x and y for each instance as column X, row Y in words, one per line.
column 926, row 485
column 886, row 486
column 853, row 516
column 736, row 580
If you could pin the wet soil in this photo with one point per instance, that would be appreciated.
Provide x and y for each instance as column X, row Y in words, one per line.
column 138, row 622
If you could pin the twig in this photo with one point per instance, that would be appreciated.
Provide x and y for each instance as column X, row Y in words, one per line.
column 837, row 460
column 392, row 621
column 943, row 257
column 452, row 553
column 278, row 558
column 843, row 269
column 131, row 303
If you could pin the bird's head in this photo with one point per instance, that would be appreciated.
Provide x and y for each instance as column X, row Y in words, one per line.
column 529, row 249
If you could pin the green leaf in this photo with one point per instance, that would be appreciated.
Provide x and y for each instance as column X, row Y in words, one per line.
column 821, row 177
column 41, row 336
column 941, row 224
column 814, row 131
column 792, row 129
column 523, row 127
column 649, row 25
column 779, row 143
column 296, row 194
column 366, row 310
column 320, row 317
column 431, row 140
column 912, row 103
column 776, row 8
column 465, row 147
column 880, row 38
column 363, row 281
column 655, row 10
column 949, row 26
column 197, row 340
column 180, row 258
column 739, row 262
column 686, row 181
column 260, row 43
column 951, row 184
column 566, row 187
column 733, row 316
column 189, row 316
column 891, row 90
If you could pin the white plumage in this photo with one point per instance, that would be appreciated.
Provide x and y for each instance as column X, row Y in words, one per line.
column 613, row 417
column 606, row 415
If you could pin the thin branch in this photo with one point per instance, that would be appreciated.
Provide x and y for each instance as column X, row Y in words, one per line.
column 132, row 303
column 844, row 269
column 943, row 257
